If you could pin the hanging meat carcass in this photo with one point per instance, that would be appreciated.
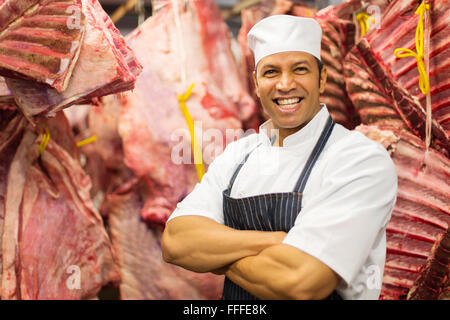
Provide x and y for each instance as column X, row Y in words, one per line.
column 43, row 43
column 177, row 48
column 11, row 128
column 121, row 196
column 54, row 244
column 422, row 212
column 433, row 282
column 383, row 87
column 144, row 273
column 384, row 90
column 6, row 97
column 68, row 51
column 10, row 10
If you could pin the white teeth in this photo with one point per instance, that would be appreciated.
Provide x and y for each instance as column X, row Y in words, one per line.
column 285, row 102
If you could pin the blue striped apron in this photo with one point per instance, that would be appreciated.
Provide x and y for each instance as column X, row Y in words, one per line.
column 268, row 212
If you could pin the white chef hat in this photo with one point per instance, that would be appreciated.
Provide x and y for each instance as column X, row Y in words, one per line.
column 281, row 33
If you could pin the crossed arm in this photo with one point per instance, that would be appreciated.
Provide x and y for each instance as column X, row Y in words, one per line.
column 257, row 261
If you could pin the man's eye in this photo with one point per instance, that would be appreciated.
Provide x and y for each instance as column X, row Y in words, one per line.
column 301, row 69
column 269, row 72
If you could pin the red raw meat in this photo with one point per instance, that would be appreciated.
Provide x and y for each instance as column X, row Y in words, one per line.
column 143, row 276
column 422, row 211
column 399, row 26
column 382, row 86
column 51, row 228
column 12, row 9
column 106, row 65
column 11, row 130
column 44, row 43
column 144, row 273
column 215, row 37
column 6, row 97
column 434, row 280
column 151, row 123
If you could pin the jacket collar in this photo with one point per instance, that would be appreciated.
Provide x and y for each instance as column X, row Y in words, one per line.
column 312, row 130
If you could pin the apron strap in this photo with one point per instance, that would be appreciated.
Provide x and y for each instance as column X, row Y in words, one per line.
column 230, row 185
column 326, row 132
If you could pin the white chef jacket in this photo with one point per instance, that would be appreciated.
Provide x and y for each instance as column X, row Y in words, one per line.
column 346, row 205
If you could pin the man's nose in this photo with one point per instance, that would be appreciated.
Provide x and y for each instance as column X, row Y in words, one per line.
column 286, row 82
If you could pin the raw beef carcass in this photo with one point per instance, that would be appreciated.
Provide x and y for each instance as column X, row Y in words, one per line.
column 105, row 65
column 422, row 211
column 216, row 45
column 382, row 86
column 434, row 280
column 43, row 43
column 6, row 97
column 103, row 159
column 54, row 244
column 399, row 26
column 11, row 129
column 337, row 36
column 157, row 145
column 144, row 273
column 12, row 9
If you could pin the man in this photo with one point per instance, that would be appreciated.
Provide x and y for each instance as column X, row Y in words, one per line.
column 312, row 225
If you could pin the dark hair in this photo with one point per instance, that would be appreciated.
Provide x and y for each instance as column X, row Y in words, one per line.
column 320, row 65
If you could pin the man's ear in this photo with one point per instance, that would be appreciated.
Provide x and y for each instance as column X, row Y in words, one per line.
column 256, row 83
column 323, row 79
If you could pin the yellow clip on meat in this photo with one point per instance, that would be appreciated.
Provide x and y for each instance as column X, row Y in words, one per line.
column 423, row 78
column 86, row 141
column 197, row 151
column 363, row 19
column 44, row 142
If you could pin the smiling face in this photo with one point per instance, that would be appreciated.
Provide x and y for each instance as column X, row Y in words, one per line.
column 287, row 84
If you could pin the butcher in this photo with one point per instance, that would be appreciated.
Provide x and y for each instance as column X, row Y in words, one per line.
column 298, row 210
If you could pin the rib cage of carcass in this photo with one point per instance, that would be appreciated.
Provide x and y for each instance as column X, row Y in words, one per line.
column 53, row 53
column 49, row 226
column 385, row 92
column 57, row 53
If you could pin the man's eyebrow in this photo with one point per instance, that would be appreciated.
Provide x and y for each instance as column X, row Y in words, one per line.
column 272, row 66
column 302, row 62
column 269, row 66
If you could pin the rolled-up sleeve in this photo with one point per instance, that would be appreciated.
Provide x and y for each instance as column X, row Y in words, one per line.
column 206, row 197
column 340, row 223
